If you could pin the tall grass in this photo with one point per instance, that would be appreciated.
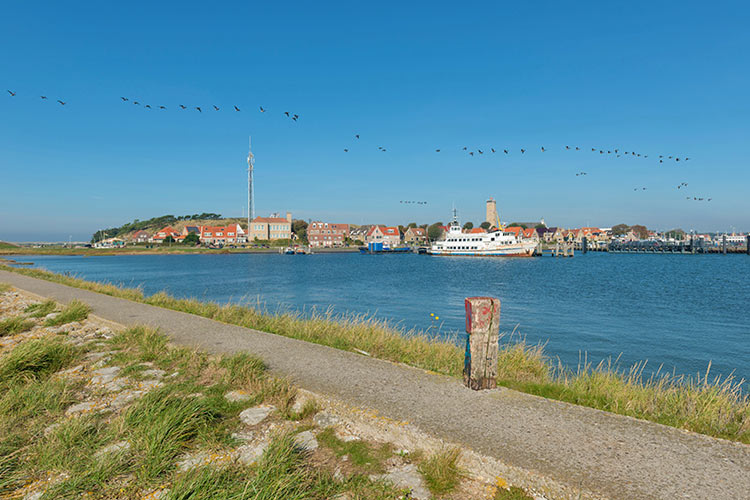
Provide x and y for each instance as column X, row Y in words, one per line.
column 710, row 405
column 441, row 471
column 74, row 311
column 41, row 309
column 14, row 325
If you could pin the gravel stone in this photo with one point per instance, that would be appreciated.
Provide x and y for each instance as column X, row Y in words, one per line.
column 255, row 415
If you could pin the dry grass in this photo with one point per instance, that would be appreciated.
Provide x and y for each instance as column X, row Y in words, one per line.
column 441, row 471
column 708, row 405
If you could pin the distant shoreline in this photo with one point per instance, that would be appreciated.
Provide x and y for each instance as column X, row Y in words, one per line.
column 19, row 251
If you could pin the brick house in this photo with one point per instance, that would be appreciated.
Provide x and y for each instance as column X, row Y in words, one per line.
column 389, row 236
column 359, row 233
column 415, row 236
column 326, row 234
column 271, row 228
column 140, row 236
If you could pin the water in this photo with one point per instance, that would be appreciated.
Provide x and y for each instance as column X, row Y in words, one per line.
column 681, row 311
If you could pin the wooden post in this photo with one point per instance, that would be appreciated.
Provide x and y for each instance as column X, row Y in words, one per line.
column 483, row 327
column 747, row 244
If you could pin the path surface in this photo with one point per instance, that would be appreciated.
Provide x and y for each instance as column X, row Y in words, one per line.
column 614, row 456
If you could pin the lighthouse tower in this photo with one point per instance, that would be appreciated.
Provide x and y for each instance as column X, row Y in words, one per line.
column 491, row 214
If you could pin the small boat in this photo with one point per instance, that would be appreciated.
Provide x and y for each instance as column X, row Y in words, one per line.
column 378, row 248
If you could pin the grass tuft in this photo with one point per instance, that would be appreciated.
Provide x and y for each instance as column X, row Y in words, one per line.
column 441, row 471
column 41, row 309
column 75, row 311
column 34, row 360
column 512, row 493
column 14, row 325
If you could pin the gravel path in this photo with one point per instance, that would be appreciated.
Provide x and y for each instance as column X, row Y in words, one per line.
column 613, row 456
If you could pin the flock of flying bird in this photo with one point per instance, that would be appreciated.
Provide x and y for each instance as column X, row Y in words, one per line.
column 492, row 150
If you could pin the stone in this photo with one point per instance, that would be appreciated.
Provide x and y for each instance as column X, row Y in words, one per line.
column 237, row 396
column 306, row 440
column 115, row 385
column 114, row 447
column 104, row 375
column 326, row 419
column 154, row 373
column 124, row 398
column 255, row 415
column 72, row 371
column 407, row 476
column 147, row 385
column 246, row 436
column 250, row 453
column 84, row 407
column 95, row 356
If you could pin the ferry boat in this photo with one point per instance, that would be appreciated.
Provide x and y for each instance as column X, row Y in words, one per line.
column 496, row 243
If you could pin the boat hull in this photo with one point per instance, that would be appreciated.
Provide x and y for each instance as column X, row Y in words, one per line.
column 524, row 250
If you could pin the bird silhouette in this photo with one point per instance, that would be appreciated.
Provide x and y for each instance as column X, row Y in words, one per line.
column 523, row 151
column 492, row 149
column 286, row 113
column 356, row 136
column 199, row 109
column 505, row 151
column 136, row 103
column 465, row 148
column 676, row 159
column 262, row 110
column 437, row 150
column 236, row 108
column 147, row 106
column 216, row 107
column 593, row 149
column 12, row 94
column 543, row 150
column 43, row 97
column 383, row 150
column 567, row 147
column 709, row 199
column 686, row 159
column 295, row 117
column 346, row 150
column 577, row 148
column 183, row 106
column 480, row 151
column 661, row 161
column 124, row 99
column 162, row 107
column 61, row 102
column 471, row 153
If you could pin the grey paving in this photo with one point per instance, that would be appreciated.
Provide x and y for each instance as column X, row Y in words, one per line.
column 617, row 457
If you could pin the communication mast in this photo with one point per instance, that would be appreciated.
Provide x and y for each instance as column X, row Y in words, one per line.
column 250, row 192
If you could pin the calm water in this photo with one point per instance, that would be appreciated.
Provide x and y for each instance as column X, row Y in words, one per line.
column 677, row 310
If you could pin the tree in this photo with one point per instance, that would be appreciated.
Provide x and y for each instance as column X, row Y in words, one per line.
column 518, row 224
column 191, row 239
column 641, row 231
column 469, row 225
column 485, row 225
column 402, row 229
column 435, row 231
column 168, row 240
column 540, row 226
column 412, row 224
column 620, row 229
column 299, row 227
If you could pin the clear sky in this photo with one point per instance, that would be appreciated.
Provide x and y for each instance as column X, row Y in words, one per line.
column 668, row 78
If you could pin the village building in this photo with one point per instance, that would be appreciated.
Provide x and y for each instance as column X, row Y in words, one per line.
column 530, row 234
column 271, row 228
column 110, row 243
column 163, row 234
column 415, row 236
column 140, row 236
column 389, row 236
column 359, row 233
column 231, row 234
column 326, row 234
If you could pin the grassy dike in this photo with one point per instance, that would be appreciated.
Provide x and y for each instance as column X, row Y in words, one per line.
column 712, row 406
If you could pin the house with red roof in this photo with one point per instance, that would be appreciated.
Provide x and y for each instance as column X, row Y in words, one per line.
column 140, row 236
column 415, row 236
column 530, row 234
column 389, row 236
column 516, row 231
column 221, row 235
column 475, row 230
column 162, row 234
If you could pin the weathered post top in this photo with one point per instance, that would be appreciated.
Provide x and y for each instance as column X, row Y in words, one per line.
column 483, row 327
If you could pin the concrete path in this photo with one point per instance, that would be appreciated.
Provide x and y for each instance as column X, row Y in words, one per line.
column 613, row 456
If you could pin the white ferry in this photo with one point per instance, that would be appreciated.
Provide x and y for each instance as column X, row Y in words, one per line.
column 497, row 243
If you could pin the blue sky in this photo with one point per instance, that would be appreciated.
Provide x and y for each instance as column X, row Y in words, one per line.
column 654, row 77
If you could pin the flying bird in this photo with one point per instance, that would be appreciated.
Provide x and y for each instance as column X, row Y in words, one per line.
column 236, row 108
column 124, row 99
column 262, row 110
column 183, row 106
column 12, row 94
column 43, row 97
column 523, row 151
column 216, row 107
column 286, row 113
column 480, row 151
column 162, row 107
column 567, row 147
column 577, row 148
column 61, row 102
column 543, row 150
column 136, row 103
column 505, row 151
column 346, row 150
column 492, row 149
column 147, row 106
column 437, row 150
column 295, row 117
column 356, row 136
column 199, row 109
column 471, row 153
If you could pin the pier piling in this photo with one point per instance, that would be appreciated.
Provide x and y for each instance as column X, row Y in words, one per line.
column 747, row 244
column 585, row 245
column 483, row 327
